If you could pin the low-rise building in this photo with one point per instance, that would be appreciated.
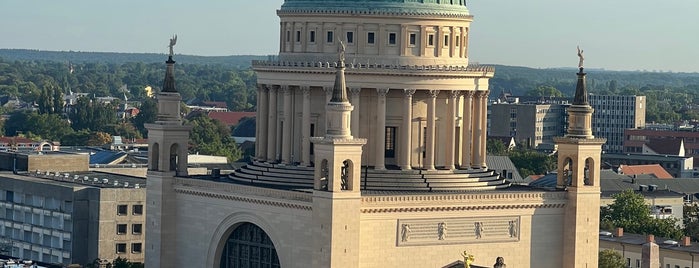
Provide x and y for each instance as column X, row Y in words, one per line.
column 670, row 253
column 73, row 218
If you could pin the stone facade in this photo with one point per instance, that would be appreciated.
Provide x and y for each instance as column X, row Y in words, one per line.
column 378, row 104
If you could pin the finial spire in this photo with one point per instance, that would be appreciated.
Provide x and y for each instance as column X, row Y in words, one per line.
column 169, row 82
column 581, row 87
column 340, row 88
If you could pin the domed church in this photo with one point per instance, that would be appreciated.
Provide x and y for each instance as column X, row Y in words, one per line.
column 370, row 152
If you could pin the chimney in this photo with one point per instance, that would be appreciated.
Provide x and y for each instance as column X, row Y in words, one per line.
column 650, row 253
column 619, row 232
column 686, row 242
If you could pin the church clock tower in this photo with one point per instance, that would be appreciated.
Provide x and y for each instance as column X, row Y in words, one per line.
column 336, row 190
column 579, row 154
column 168, row 140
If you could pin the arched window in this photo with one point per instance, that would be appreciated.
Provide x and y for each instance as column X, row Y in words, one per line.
column 249, row 246
column 589, row 169
column 174, row 157
column 324, row 173
column 568, row 172
column 346, row 175
column 155, row 156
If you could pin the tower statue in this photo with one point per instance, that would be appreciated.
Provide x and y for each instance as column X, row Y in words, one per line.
column 173, row 41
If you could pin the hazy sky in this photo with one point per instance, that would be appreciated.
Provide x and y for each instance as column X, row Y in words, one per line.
column 616, row 34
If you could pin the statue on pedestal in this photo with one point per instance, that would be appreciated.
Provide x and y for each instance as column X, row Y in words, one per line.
column 580, row 55
column 173, row 41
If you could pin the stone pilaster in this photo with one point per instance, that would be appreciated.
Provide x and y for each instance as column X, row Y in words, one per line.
column 484, row 128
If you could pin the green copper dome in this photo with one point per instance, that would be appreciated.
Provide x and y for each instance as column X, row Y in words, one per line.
column 450, row 8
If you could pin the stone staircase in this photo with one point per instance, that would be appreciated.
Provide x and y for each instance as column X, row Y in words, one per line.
column 297, row 177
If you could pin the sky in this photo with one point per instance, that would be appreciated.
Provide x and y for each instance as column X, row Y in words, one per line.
column 615, row 35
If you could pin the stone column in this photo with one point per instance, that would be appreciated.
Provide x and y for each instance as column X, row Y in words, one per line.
column 467, row 131
column 477, row 131
column 431, row 129
column 286, row 130
column 354, row 100
column 451, row 129
column 272, row 126
column 379, row 164
column 306, row 127
column 406, row 151
column 262, row 115
column 484, row 127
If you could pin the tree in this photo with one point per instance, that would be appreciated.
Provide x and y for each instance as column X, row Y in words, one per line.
column 148, row 112
column 629, row 211
column 210, row 136
column 495, row 147
column 609, row 258
column 545, row 91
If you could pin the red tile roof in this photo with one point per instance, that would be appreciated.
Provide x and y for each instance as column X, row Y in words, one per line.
column 655, row 170
column 230, row 118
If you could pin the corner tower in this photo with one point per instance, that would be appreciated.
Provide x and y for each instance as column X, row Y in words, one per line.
column 336, row 193
column 579, row 154
column 167, row 158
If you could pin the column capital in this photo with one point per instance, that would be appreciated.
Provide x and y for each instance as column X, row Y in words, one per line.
column 453, row 94
column 433, row 93
column 355, row 91
column 468, row 93
column 409, row 92
column 482, row 94
column 285, row 89
column 306, row 90
column 382, row 91
column 328, row 89
column 261, row 87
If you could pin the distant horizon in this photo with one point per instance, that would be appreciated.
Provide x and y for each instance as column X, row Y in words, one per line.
column 254, row 55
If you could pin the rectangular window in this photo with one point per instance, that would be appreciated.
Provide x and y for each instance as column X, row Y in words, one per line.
column 137, row 209
column 330, row 37
column 446, row 40
column 312, row 37
column 298, row 36
column 121, row 248
column 137, row 228
column 121, row 229
column 390, row 150
column 370, row 38
column 136, row 248
column 457, row 42
column 350, row 37
column 413, row 39
column 122, row 210
column 391, row 38
column 430, row 40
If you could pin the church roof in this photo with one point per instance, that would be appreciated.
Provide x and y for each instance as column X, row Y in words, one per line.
column 398, row 7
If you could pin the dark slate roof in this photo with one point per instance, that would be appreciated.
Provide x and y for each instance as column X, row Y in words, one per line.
column 500, row 163
column 638, row 239
column 612, row 183
column 665, row 146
